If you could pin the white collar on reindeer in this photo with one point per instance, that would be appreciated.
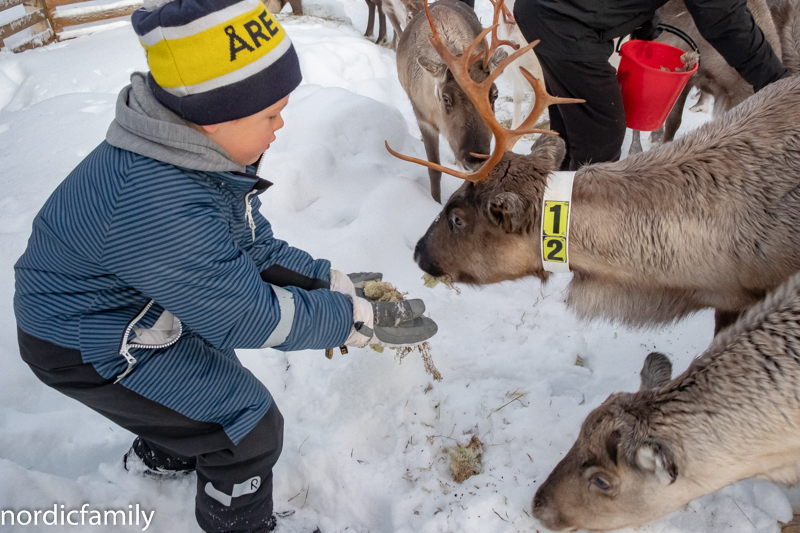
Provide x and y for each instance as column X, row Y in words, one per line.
column 556, row 207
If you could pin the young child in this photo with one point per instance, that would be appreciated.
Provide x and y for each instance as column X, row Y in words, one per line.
column 151, row 263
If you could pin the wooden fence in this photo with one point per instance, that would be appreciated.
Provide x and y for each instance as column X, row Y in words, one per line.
column 48, row 23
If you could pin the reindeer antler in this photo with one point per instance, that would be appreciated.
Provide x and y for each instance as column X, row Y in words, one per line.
column 496, row 41
column 478, row 93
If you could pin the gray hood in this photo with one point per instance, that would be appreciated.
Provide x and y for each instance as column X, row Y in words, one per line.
column 144, row 126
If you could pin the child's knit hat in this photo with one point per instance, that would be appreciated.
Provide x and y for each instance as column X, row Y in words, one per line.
column 212, row 61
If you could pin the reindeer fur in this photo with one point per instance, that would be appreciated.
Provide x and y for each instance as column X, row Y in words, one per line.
column 710, row 220
column 429, row 84
column 733, row 414
column 714, row 76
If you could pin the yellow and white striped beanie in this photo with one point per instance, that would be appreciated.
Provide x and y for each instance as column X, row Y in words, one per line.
column 212, row 61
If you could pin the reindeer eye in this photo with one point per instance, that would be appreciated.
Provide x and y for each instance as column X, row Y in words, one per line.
column 601, row 483
column 456, row 222
column 493, row 95
column 447, row 101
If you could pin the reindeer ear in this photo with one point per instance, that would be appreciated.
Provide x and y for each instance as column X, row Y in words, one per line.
column 496, row 59
column 437, row 68
column 509, row 211
column 551, row 149
column 655, row 457
column 656, row 371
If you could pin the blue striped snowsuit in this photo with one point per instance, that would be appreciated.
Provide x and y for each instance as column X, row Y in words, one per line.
column 125, row 231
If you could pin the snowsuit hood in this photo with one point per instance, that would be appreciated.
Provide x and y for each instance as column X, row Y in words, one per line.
column 144, row 126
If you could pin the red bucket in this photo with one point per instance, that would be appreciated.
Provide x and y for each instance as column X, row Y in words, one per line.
column 648, row 92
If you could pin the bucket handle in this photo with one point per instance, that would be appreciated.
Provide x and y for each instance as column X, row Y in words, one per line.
column 673, row 30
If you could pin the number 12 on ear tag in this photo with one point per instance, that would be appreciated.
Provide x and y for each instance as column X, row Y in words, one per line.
column 555, row 220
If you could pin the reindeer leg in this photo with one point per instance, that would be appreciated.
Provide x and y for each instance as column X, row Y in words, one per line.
column 297, row 7
column 636, row 143
column 675, row 116
column 370, row 18
column 397, row 31
column 430, row 138
column 703, row 104
column 381, row 25
column 657, row 136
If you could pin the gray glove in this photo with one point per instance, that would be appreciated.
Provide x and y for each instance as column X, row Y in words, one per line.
column 397, row 324
column 358, row 279
column 383, row 323
column 393, row 324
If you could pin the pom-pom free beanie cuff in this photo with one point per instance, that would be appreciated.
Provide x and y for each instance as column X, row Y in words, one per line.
column 213, row 61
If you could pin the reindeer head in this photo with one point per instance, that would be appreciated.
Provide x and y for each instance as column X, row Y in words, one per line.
column 462, row 125
column 618, row 473
column 488, row 231
column 411, row 8
column 485, row 232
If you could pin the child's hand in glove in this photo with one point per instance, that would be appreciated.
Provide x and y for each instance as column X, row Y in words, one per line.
column 382, row 323
column 389, row 323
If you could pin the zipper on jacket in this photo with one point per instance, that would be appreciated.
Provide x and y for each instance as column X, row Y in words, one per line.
column 248, row 213
column 125, row 347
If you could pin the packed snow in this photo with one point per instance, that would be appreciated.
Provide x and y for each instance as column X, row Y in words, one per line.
column 367, row 436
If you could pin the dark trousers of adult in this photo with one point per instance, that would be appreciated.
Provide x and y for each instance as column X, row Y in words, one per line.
column 172, row 441
column 593, row 131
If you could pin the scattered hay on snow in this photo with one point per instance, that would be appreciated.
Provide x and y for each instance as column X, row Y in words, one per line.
column 424, row 350
column 465, row 461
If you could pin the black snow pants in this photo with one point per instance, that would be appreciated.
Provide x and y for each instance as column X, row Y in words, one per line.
column 593, row 131
column 234, row 482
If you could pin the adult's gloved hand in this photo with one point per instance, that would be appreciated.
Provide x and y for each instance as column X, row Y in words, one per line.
column 389, row 323
column 648, row 31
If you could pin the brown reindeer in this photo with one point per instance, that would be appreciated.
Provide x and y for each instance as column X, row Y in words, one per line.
column 733, row 414
column 707, row 221
column 439, row 103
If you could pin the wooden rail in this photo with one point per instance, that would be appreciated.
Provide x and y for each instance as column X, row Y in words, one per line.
column 48, row 22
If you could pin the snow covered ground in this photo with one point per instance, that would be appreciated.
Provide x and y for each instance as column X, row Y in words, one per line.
column 367, row 436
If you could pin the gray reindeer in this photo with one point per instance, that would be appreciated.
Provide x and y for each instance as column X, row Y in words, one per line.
column 439, row 103
column 732, row 415
column 707, row 221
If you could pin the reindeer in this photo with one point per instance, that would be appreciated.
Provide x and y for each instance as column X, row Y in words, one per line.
column 786, row 15
column 714, row 77
column 707, row 221
column 732, row 415
column 399, row 13
column 439, row 103
column 376, row 7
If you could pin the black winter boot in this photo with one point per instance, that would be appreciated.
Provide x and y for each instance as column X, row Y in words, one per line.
column 145, row 459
